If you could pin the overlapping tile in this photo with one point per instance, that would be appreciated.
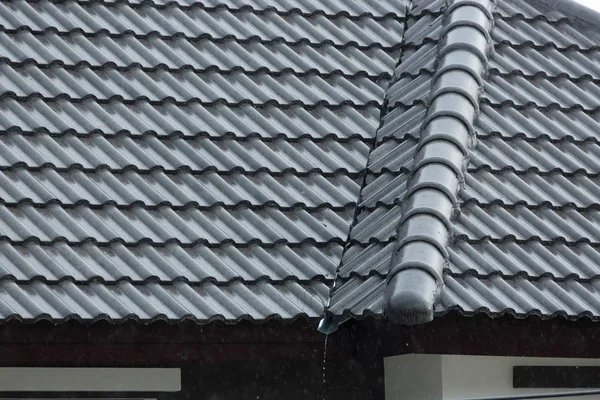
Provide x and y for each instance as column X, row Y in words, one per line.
column 558, row 32
column 196, row 208
column 382, row 218
column 199, row 155
column 194, row 119
column 145, row 263
column 119, row 18
column 153, row 52
column 531, row 123
column 495, row 153
column 533, row 259
column 548, row 62
column 525, row 9
column 371, row 8
column 520, row 223
column 554, row 189
column 515, row 60
column 521, row 297
column 531, row 247
column 135, row 188
column 187, row 86
column 495, row 296
column 362, row 260
column 544, row 93
column 153, row 301
column 179, row 190
column 542, row 155
column 358, row 298
column 526, row 234
column 190, row 226
column 540, row 33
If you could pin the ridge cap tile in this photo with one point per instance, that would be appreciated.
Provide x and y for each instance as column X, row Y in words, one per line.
column 414, row 281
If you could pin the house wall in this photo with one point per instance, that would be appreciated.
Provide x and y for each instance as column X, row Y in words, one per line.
column 235, row 380
column 413, row 377
column 456, row 377
column 89, row 379
column 347, row 379
column 217, row 361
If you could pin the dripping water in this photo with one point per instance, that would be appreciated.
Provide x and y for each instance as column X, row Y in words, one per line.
column 325, row 367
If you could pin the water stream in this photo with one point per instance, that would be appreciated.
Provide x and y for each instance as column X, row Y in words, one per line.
column 325, row 368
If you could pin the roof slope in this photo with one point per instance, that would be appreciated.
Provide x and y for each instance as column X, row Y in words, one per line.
column 232, row 160
column 497, row 211
column 184, row 159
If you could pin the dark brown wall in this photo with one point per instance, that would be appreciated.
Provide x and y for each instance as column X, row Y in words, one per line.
column 276, row 360
column 218, row 361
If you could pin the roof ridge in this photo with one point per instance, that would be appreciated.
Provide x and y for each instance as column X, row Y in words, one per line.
column 415, row 279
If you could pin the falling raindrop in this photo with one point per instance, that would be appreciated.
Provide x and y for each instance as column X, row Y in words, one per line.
column 325, row 366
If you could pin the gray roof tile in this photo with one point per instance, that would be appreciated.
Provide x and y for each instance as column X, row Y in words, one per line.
column 494, row 295
column 510, row 59
column 520, row 296
column 166, row 119
column 532, row 259
column 373, row 8
column 531, row 123
column 187, row 86
column 184, row 159
column 393, row 155
column 548, row 62
column 358, row 297
column 205, row 160
column 361, row 260
column 509, row 188
column 267, row 225
column 116, row 262
column 154, row 52
column 182, row 189
column 201, row 154
column 525, row 233
column 517, row 90
column 119, row 18
column 402, row 121
column 539, row 33
column 521, row 223
column 495, row 153
column 541, row 155
column 152, row 301
column 518, row 31
column 528, row 9
column 378, row 225
column 541, row 92
column 387, row 188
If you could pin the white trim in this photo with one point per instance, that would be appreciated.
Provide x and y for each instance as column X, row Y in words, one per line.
column 90, row 379
column 452, row 377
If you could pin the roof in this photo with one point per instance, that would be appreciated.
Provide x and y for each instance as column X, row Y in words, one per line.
column 184, row 160
column 242, row 160
column 487, row 158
